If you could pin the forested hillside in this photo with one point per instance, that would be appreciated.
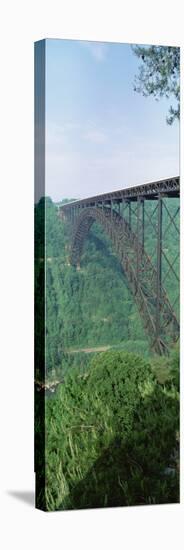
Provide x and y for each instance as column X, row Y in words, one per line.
column 85, row 308
column 112, row 425
column 93, row 306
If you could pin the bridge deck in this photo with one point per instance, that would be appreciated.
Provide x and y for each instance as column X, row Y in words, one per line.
column 169, row 187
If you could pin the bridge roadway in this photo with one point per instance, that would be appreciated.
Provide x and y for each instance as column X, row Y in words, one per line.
column 169, row 187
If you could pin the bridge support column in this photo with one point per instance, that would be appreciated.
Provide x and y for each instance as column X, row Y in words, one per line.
column 122, row 214
column 111, row 216
column 123, row 210
column 142, row 224
column 111, row 210
column 138, row 235
column 159, row 266
column 73, row 215
column 129, row 214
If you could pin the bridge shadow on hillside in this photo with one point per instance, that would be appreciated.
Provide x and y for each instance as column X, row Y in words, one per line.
column 137, row 469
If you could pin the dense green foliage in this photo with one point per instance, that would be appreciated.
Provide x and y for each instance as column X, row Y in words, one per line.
column 93, row 306
column 111, row 437
column 159, row 75
column 85, row 308
column 111, row 429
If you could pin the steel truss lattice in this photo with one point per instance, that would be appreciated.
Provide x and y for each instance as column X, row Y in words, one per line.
column 142, row 226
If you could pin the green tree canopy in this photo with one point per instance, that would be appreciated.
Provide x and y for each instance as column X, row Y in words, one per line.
column 159, row 75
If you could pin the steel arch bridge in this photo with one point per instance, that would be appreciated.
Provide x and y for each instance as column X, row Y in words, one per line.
column 139, row 221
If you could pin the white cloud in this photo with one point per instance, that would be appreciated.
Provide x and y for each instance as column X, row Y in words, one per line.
column 75, row 167
column 96, row 136
column 63, row 135
column 98, row 50
column 74, row 174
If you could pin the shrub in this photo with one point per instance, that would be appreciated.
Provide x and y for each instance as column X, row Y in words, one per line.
column 120, row 380
column 110, row 434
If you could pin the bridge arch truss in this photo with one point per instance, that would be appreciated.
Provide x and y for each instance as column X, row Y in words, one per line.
column 139, row 221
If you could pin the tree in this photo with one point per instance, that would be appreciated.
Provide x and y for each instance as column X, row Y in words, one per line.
column 159, row 75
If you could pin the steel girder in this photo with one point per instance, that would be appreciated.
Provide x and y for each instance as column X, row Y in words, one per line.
column 169, row 187
column 144, row 279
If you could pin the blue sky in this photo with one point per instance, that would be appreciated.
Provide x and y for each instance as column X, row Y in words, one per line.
column 100, row 134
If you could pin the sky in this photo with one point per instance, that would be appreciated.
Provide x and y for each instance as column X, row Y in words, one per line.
column 100, row 134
